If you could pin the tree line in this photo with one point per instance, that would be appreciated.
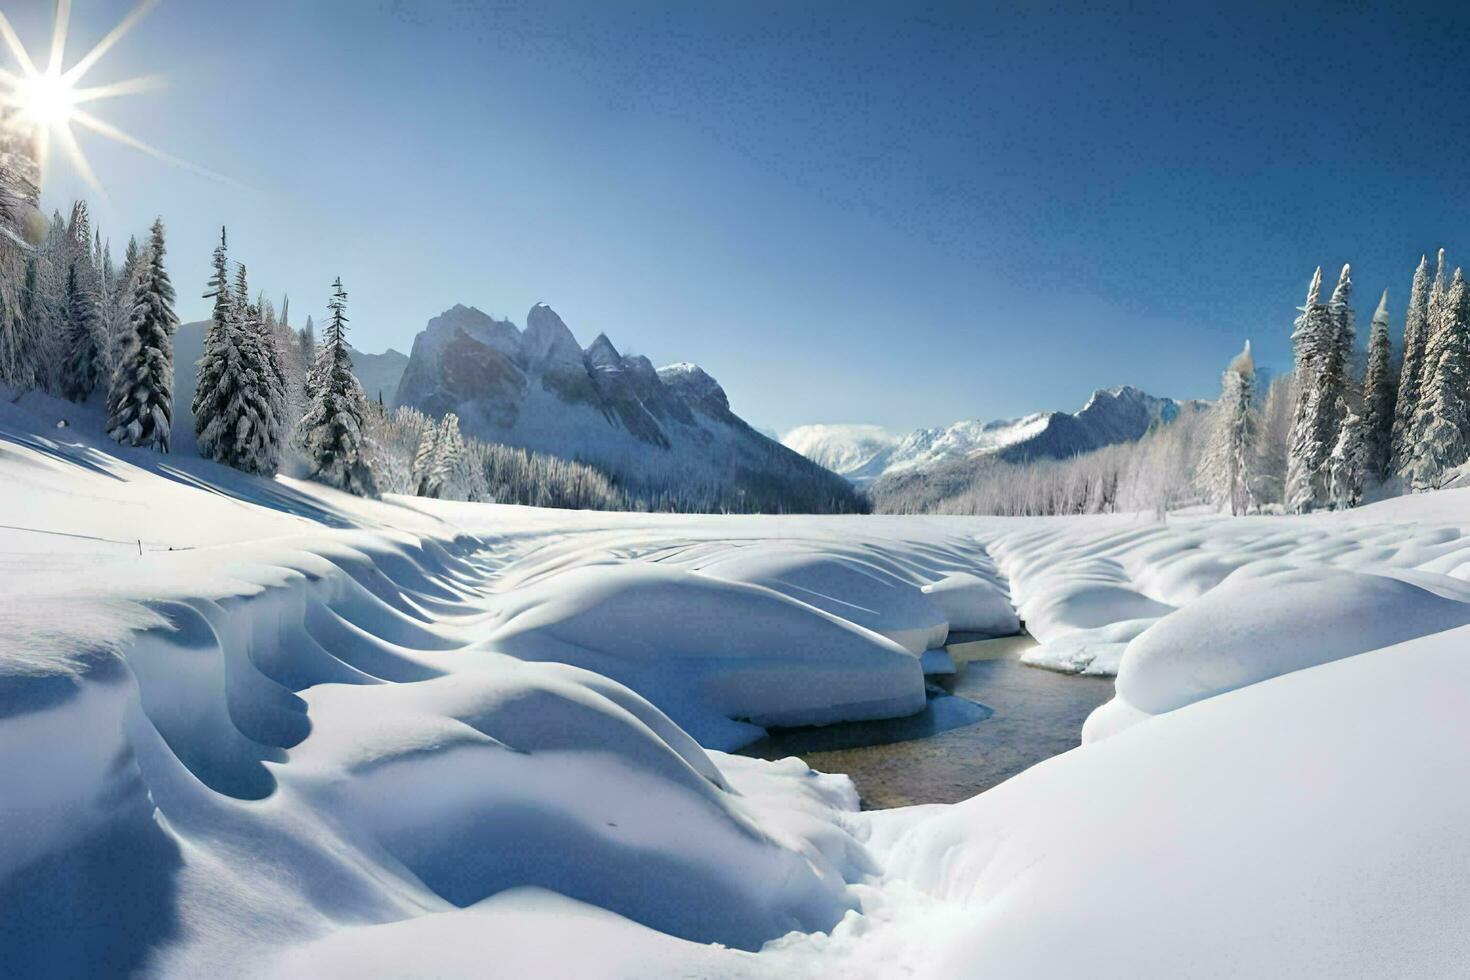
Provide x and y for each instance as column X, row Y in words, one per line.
column 73, row 324
column 1394, row 429
column 1321, row 437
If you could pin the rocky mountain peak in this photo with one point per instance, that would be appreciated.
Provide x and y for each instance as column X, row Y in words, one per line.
column 692, row 382
column 603, row 356
column 670, row 429
column 547, row 340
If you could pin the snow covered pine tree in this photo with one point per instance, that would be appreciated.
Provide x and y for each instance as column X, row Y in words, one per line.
column 1345, row 466
column 82, row 367
column 1228, row 467
column 258, row 449
column 436, row 465
column 220, row 373
column 1441, row 435
column 140, row 407
column 331, row 433
column 1379, row 395
column 1322, row 338
column 240, row 398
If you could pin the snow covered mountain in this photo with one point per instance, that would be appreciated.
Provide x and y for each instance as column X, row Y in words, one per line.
column 667, row 430
column 379, row 373
column 863, row 453
column 859, row 452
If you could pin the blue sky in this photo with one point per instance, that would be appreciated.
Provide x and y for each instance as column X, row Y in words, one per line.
column 846, row 212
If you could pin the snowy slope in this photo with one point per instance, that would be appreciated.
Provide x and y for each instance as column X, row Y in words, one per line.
column 665, row 430
column 864, row 453
column 261, row 728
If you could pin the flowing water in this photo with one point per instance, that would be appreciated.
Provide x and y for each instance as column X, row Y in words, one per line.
column 954, row 749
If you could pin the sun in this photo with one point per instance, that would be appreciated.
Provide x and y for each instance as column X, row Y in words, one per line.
column 41, row 106
column 45, row 100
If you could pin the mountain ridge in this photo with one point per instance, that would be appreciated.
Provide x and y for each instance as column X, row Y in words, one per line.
column 668, row 429
column 865, row 453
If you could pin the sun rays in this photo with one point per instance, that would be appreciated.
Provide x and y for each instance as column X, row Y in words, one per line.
column 43, row 104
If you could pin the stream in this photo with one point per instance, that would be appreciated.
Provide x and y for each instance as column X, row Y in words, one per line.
column 990, row 720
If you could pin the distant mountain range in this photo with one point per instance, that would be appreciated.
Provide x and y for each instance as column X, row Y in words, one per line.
column 864, row 453
column 666, row 431
column 379, row 374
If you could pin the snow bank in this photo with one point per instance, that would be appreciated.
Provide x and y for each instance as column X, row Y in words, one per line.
column 708, row 650
column 857, row 591
column 973, row 605
column 1096, row 651
column 1256, row 626
column 1269, row 831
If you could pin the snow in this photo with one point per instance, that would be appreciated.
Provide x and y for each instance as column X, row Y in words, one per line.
column 1308, row 842
column 973, row 604
column 864, row 453
column 709, row 650
column 262, row 728
column 1297, row 618
column 859, row 591
column 859, row 452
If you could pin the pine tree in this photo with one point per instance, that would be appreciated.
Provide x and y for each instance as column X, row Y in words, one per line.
column 48, row 303
column 82, row 368
column 1345, row 333
column 438, row 471
column 220, row 375
column 1379, row 397
column 1228, row 468
column 1346, row 464
column 130, row 263
column 14, row 258
column 259, row 445
column 20, row 341
column 120, row 314
column 106, row 301
column 1321, row 395
column 331, row 434
column 423, row 461
column 309, row 355
column 1442, row 433
column 141, row 403
column 239, row 403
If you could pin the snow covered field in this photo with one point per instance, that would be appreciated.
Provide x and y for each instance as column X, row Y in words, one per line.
column 267, row 729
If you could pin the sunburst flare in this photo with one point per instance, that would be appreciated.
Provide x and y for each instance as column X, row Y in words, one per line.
column 39, row 106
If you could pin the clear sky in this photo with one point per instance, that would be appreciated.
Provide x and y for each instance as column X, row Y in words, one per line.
column 846, row 212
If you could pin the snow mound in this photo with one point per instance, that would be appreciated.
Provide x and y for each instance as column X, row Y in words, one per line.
column 709, row 650
column 857, row 591
column 544, row 775
column 973, row 605
column 1259, row 625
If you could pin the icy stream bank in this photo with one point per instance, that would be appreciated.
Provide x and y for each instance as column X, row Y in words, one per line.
column 997, row 717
